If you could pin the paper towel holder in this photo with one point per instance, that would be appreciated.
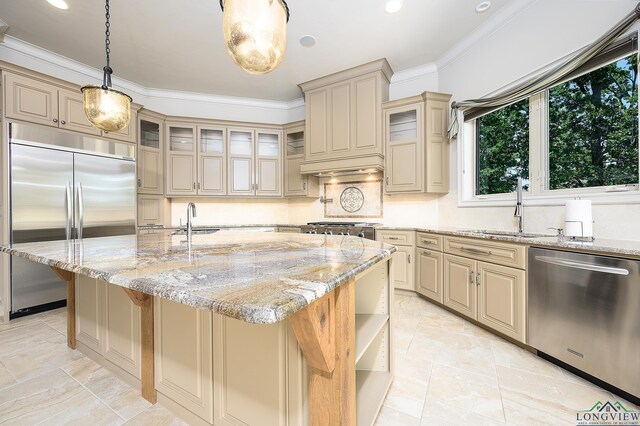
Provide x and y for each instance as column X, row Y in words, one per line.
column 580, row 239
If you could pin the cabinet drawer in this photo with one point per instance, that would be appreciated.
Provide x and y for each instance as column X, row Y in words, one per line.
column 489, row 251
column 399, row 238
column 429, row 241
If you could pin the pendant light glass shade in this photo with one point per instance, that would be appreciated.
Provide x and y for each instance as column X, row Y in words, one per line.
column 255, row 33
column 107, row 109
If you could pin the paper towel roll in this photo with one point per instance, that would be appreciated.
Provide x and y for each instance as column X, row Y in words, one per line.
column 578, row 218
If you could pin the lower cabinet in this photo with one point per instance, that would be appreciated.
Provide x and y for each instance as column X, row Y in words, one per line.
column 108, row 323
column 429, row 274
column 184, row 356
column 494, row 295
column 403, row 270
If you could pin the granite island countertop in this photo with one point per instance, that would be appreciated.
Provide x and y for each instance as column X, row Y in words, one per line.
column 610, row 247
column 257, row 277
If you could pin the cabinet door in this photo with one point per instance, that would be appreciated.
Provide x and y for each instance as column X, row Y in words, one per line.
column 89, row 311
column 30, row 100
column 403, row 270
column 184, row 356
column 128, row 134
column 241, row 162
column 340, row 135
column 150, row 157
column 501, row 299
column 404, row 137
column 429, row 274
column 294, row 183
column 316, row 124
column 212, row 172
column 268, row 164
column 459, row 285
column 437, row 146
column 367, row 113
column 181, row 160
column 121, row 330
column 71, row 113
column 149, row 171
column 150, row 210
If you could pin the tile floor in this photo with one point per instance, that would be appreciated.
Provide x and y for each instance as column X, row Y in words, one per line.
column 448, row 372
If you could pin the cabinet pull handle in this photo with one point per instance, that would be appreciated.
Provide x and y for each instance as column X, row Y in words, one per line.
column 393, row 238
column 55, row 120
column 478, row 278
column 471, row 275
column 194, row 185
column 475, row 250
column 427, row 241
column 426, row 252
column 387, row 180
column 409, row 258
column 304, row 186
column 139, row 183
column 198, row 185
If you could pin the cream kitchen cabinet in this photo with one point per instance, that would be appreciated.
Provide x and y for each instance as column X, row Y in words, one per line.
column 150, row 160
column 295, row 183
column 255, row 167
column 196, row 160
column 490, row 293
column 37, row 101
column 108, row 323
column 403, row 258
column 429, row 266
column 343, row 119
column 152, row 210
column 417, row 150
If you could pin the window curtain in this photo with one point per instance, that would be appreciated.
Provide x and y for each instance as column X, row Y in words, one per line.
column 575, row 62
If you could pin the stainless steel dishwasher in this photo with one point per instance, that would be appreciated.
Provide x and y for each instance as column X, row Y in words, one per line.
column 584, row 310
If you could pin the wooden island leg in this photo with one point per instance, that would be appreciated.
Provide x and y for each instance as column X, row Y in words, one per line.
column 145, row 301
column 70, row 278
column 325, row 331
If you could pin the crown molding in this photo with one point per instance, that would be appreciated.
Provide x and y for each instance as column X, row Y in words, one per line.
column 486, row 29
column 49, row 61
column 414, row 73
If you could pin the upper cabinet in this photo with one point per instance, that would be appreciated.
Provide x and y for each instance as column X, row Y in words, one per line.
column 417, row 151
column 343, row 119
column 295, row 183
column 210, row 160
column 36, row 101
column 150, row 154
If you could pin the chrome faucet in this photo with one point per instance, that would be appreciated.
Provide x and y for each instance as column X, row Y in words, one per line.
column 519, row 213
column 191, row 213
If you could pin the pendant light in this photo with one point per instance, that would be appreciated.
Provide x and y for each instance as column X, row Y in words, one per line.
column 106, row 108
column 255, row 33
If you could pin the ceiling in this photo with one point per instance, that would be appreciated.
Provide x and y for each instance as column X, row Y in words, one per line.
column 177, row 45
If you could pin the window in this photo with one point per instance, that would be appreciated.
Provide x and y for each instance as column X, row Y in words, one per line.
column 502, row 149
column 578, row 137
column 593, row 128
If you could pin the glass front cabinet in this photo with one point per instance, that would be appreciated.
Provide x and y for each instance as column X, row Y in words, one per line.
column 150, row 163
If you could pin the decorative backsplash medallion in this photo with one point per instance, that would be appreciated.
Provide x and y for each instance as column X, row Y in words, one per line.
column 353, row 199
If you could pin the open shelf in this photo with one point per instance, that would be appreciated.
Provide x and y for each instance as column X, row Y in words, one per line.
column 367, row 328
column 371, row 388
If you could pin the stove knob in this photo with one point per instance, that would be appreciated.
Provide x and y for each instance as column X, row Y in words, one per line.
column 328, row 232
column 341, row 233
column 348, row 232
column 361, row 234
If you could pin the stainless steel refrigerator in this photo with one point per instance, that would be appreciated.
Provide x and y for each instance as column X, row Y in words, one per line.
column 63, row 186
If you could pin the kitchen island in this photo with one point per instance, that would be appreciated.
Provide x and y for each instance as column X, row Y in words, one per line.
column 201, row 323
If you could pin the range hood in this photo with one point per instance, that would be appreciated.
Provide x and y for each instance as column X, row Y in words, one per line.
column 344, row 166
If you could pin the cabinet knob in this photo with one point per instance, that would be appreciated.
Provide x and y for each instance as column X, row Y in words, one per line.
column 63, row 122
column 55, row 120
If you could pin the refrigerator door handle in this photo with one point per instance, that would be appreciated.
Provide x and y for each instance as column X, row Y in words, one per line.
column 69, row 211
column 80, row 211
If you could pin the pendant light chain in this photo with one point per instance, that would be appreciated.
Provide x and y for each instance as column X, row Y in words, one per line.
column 106, row 81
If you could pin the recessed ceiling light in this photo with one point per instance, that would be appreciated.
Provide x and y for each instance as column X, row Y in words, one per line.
column 483, row 7
column 60, row 4
column 308, row 41
column 393, row 6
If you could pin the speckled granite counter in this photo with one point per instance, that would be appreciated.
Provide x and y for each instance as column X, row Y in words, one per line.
column 600, row 245
column 257, row 277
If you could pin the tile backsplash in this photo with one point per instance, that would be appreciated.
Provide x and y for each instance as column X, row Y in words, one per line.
column 359, row 199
